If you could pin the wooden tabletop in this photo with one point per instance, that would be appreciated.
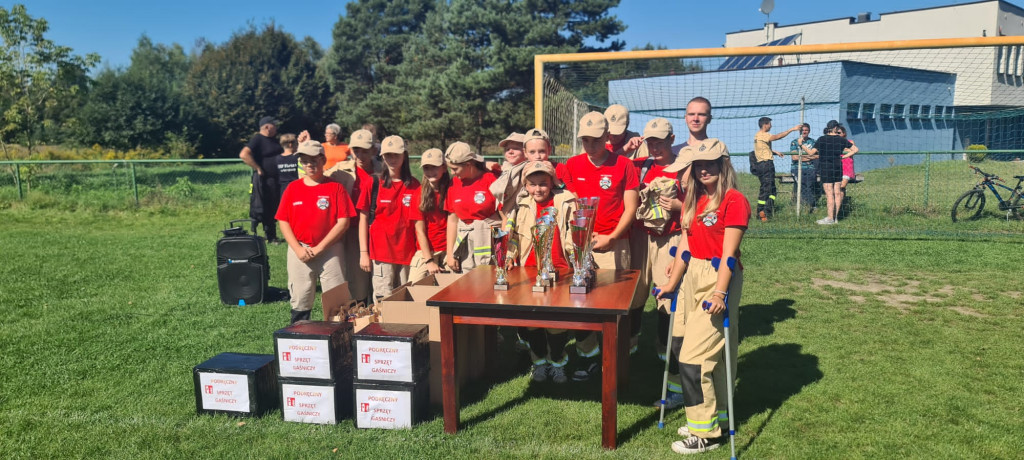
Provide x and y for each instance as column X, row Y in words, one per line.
column 612, row 293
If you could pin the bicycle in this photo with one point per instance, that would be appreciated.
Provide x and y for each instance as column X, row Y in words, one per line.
column 970, row 205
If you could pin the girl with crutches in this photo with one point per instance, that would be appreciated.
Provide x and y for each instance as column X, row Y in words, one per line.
column 715, row 216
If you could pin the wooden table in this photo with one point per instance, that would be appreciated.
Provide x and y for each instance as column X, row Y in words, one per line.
column 472, row 300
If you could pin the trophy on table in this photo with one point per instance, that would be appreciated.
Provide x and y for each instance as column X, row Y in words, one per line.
column 582, row 231
column 543, row 237
column 499, row 246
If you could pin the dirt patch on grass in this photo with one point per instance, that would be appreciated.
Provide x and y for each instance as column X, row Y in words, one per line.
column 872, row 287
column 979, row 297
column 969, row 312
column 1014, row 294
column 945, row 290
column 856, row 298
column 896, row 292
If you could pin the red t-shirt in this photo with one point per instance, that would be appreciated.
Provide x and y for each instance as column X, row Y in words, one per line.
column 557, row 258
column 705, row 235
column 313, row 210
column 473, row 200
column 609, row 181
column 653, row 172
column 436, row 220
column 362, row 189
column 392, row 234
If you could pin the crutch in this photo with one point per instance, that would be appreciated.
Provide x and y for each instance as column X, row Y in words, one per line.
column 731, row 263
column 668, row 340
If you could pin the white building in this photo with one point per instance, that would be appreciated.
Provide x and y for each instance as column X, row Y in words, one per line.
column 994, row 77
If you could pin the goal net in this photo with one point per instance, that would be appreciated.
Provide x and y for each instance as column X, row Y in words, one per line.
column 919, row 112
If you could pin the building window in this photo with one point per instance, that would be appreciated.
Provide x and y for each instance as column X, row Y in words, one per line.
column 885, row 112
column 869, row 112
column 897, row 111
column 949, row 112
column 852, row 111
column 925, row 111
column 937, row 113
column 914, row 111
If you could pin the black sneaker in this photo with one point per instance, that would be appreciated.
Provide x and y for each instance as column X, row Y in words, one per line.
column 587, row 369
column 696, row 445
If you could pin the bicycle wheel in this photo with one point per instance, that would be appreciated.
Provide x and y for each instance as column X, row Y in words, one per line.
column 1017, row 212
column 969, row 205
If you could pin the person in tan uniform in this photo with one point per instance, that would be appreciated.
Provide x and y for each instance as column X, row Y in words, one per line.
column 764, row 166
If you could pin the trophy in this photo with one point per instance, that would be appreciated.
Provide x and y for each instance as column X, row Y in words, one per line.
column 543, row 237
column 499, row 246
column 582, row 230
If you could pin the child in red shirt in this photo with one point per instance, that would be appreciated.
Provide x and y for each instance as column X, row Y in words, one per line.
column 314, row 213
column 613, row 179
column 430, row 217
column 392, row 236
column 547, row 346
column 472, row 209
column 715, row 216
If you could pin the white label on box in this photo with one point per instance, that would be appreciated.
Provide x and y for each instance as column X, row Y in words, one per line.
column 224, row 391
column 384, row 360
column 308, row 403
column 304, row 358
column 383, row 409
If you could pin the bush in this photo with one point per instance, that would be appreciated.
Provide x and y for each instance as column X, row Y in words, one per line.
column 976, row 157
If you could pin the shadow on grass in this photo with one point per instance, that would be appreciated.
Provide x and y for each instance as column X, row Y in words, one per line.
column 759, row 319
column 768, row 376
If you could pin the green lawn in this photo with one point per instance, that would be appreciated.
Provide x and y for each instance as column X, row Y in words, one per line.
column 852, row 348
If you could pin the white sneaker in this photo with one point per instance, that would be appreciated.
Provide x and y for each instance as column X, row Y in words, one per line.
column 825, row 221
column 540, row 372
column 558, row 374
column 696, row 445
column 684, row 431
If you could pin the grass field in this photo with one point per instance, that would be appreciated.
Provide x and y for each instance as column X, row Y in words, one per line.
column 851, row 348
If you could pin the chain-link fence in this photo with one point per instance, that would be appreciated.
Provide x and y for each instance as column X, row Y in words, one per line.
column 894, row 195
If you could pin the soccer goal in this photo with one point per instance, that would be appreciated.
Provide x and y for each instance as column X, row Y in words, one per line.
column 917, row 110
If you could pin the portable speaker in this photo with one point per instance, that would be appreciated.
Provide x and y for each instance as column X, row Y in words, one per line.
column 243, row 269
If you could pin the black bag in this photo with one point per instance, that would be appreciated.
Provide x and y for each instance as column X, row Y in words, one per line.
column 753, row 162
column 243, row 268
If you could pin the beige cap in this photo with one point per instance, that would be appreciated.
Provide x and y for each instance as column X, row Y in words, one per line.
column 461, row 152
column 593, row 124
column 535, row 133
column 618, row 119
column 432, row 157
column 310, row 148
column 514, row 137
column 659, row 128
column 540, row 166
column 362, row 139
column 706, row 150
column 392, row 144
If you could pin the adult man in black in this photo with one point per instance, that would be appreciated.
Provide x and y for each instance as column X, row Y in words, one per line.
column 260, row 155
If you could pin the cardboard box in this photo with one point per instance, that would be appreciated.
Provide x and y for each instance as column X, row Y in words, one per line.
column 391, row 352
column 438, row 279
column 317, row 350
column 408, row 305
column 239, row 384
column 389, row 406
column 334, row 301
column 315, row 401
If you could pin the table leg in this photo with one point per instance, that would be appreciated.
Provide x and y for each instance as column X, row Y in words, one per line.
column 491, row 351
column 625, row 337
column 449, row 388
column 609, row 381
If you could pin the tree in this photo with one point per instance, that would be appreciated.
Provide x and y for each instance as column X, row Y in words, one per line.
column 143, row 105
column 258, row 72
column 39, row 80
column 463, row 71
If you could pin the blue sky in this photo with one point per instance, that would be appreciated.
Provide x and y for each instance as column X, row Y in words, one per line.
column 111, row 28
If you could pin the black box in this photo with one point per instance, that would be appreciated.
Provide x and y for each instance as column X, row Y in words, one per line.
column 317, row 350
column 243, row 269
column 315, row 401
column 390, row 405
column 239, row 384
column 391, row 352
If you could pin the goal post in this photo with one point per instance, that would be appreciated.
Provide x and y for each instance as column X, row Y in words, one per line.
column 914, row 108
